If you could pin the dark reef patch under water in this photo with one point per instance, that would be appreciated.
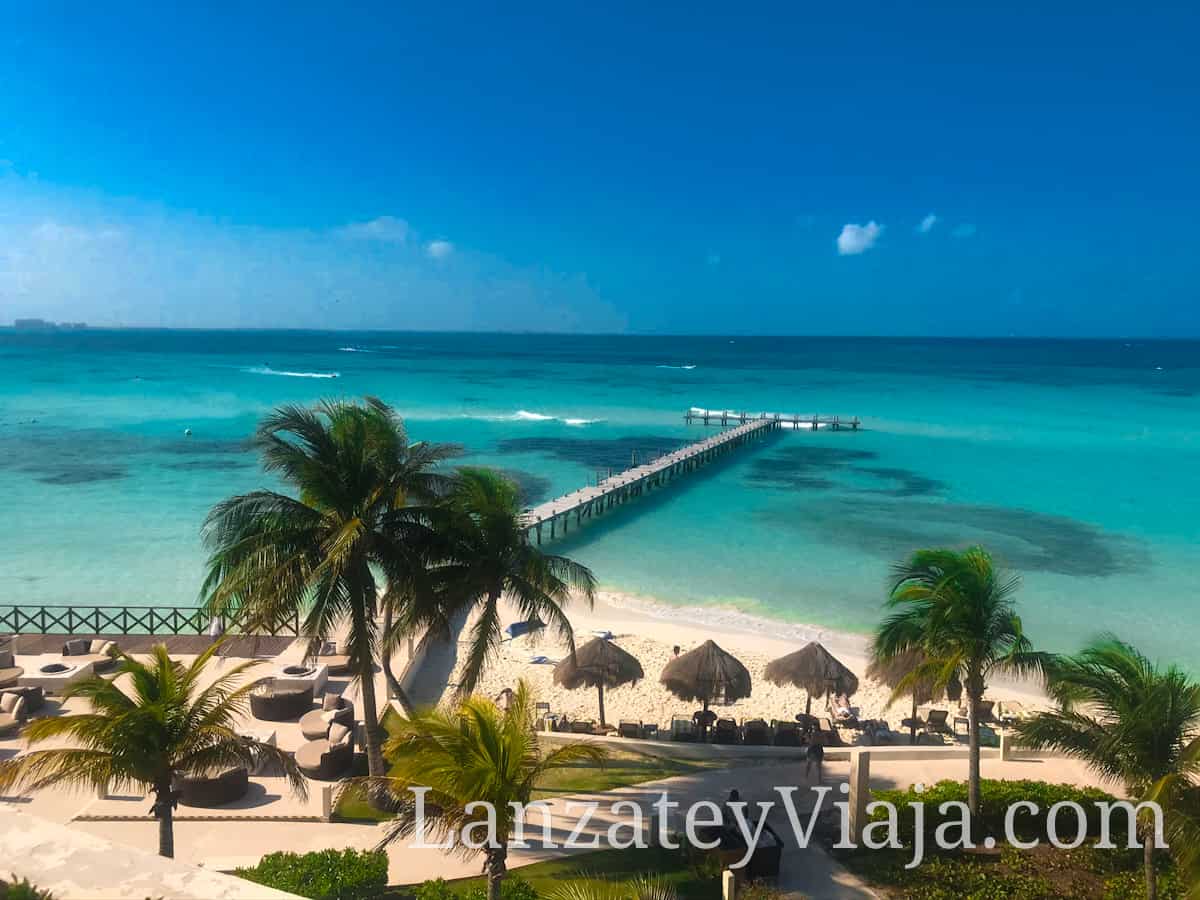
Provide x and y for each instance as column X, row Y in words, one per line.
column 597, row 453
column 807, row 468
column 534, row 488
column 1020, row 538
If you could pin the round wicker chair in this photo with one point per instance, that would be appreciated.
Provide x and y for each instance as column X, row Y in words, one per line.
column 272, row 704
column 215, row 790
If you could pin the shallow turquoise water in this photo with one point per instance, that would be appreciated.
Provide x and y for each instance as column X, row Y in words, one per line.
column 1075, row 462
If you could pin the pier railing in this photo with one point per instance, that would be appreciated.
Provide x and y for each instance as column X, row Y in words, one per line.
column 150, row 620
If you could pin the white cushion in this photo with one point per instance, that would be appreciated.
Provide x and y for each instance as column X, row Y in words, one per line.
column 8, row 702
column 330, row 701
column 338, row 734
column 327, row 717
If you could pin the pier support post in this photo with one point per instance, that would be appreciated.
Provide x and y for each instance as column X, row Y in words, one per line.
column 860, row 793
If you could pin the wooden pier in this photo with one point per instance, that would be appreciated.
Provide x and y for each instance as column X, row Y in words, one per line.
column 793, row 421
column 552, row 519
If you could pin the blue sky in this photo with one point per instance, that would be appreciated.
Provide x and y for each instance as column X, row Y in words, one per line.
column 797, row 168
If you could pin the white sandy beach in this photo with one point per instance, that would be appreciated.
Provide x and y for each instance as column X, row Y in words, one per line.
column 650, row 630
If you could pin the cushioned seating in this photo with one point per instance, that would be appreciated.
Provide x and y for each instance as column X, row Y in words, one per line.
column 12, row 713
column 10, row 672
column 100, row 653
column 334, row 709
column 274, row 705
column 35, row 697
column 329, row 758
column 214, row 790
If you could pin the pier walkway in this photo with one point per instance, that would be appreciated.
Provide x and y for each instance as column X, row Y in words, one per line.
column 551, row 519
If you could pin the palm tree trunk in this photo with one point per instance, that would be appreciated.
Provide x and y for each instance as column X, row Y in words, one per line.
column 600, row 688
column 496, row 870
column 375, row 766
column 912, row 723
column 1148, row 862
column 165, row 812
column 973, row 699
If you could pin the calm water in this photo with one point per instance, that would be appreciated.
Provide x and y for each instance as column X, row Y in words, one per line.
column 1075, row 462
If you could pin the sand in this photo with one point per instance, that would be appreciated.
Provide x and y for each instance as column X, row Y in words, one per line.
column 650, row 630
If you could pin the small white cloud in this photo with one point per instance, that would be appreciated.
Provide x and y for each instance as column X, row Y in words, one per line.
column 927, row 224
column 386, row 229
column 965, row 230
column 856, row 239
column 438, row 249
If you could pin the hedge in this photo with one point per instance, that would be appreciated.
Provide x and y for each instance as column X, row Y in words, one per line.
column 323, row 874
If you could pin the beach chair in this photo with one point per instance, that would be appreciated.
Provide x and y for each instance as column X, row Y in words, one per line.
column 755, row 733
column 787, row 734
column 683, row 729
column 986, row 712
column 627, row 728
column 725, row 731
column 826, row 734
column 541, row 714
column 937, row 722
column 581, row 727
column 650, row 731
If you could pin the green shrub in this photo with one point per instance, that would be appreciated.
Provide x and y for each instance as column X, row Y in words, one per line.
column 995, row 799
column 21, row 889
column 438, row 889
column 324, row 874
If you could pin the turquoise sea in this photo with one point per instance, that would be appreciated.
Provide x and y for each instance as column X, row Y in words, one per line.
column 1075, row 462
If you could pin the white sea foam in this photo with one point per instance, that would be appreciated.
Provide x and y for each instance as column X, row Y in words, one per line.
column 580, row 422
column 355, row 350
column 524, row 415
column 688, row 368
column 267, row 370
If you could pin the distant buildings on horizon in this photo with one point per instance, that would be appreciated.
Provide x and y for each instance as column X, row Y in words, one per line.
column 44, row 325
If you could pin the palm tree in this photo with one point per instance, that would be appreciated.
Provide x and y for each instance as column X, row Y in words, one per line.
column 1134, row 723
column 344, row 549
column 484, row 556
column 956, row 608
column 469, row 757
column 164, row 725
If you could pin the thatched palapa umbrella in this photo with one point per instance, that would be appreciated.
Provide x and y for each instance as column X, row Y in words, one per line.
column 893, row 670
column 600, row 664
column 815, row 669
column 707, row 674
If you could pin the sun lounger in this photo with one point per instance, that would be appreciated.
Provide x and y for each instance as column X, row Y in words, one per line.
column 627, row 728
column 985, row 712
column 328, row 655
column 787, row 734
column 650, row 731
column 315, row 725
column 588, row 727
column 826, row 734
column 725, row 731
column 936, row 722
column 329, row 758
column 683, row 729
column 755, row 733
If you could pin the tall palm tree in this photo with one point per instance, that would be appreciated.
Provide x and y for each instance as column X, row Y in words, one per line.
column 343, row 549
column 956, row 608
column 164, row 724
column 472, row 755
column 484, row 556
column 1134, row 723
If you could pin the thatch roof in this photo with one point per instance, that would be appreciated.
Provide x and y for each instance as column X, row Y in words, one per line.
column 892, row 670
column 815, row 669
column 708, row 674
column 598, row 662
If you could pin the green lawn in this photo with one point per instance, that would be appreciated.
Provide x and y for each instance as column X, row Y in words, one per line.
column 604, row 865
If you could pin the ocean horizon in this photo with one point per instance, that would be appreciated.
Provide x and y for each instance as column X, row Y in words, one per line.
column 1071, row 460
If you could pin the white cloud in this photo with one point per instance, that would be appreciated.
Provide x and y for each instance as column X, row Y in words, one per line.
column 438, row 249
column 927, row 224
column 386, row 229
column 965, row 230
column 856, row 239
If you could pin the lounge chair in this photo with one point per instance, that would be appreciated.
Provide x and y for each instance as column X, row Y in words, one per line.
column 12, row 713
column 583, row 727
column 826, row 734
column 329, row 758
column 627, row 728
column 275, row 705
column 683, row 730
column 650, row 731
column 725, row 731
column 314, row 725
column 213, row 790
column 755, row 733
column 985, row 712
column 936, row 722
column 100, row 653
column 787, row 734
column 35, row 696
column 328, row 655
column 10, row 672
